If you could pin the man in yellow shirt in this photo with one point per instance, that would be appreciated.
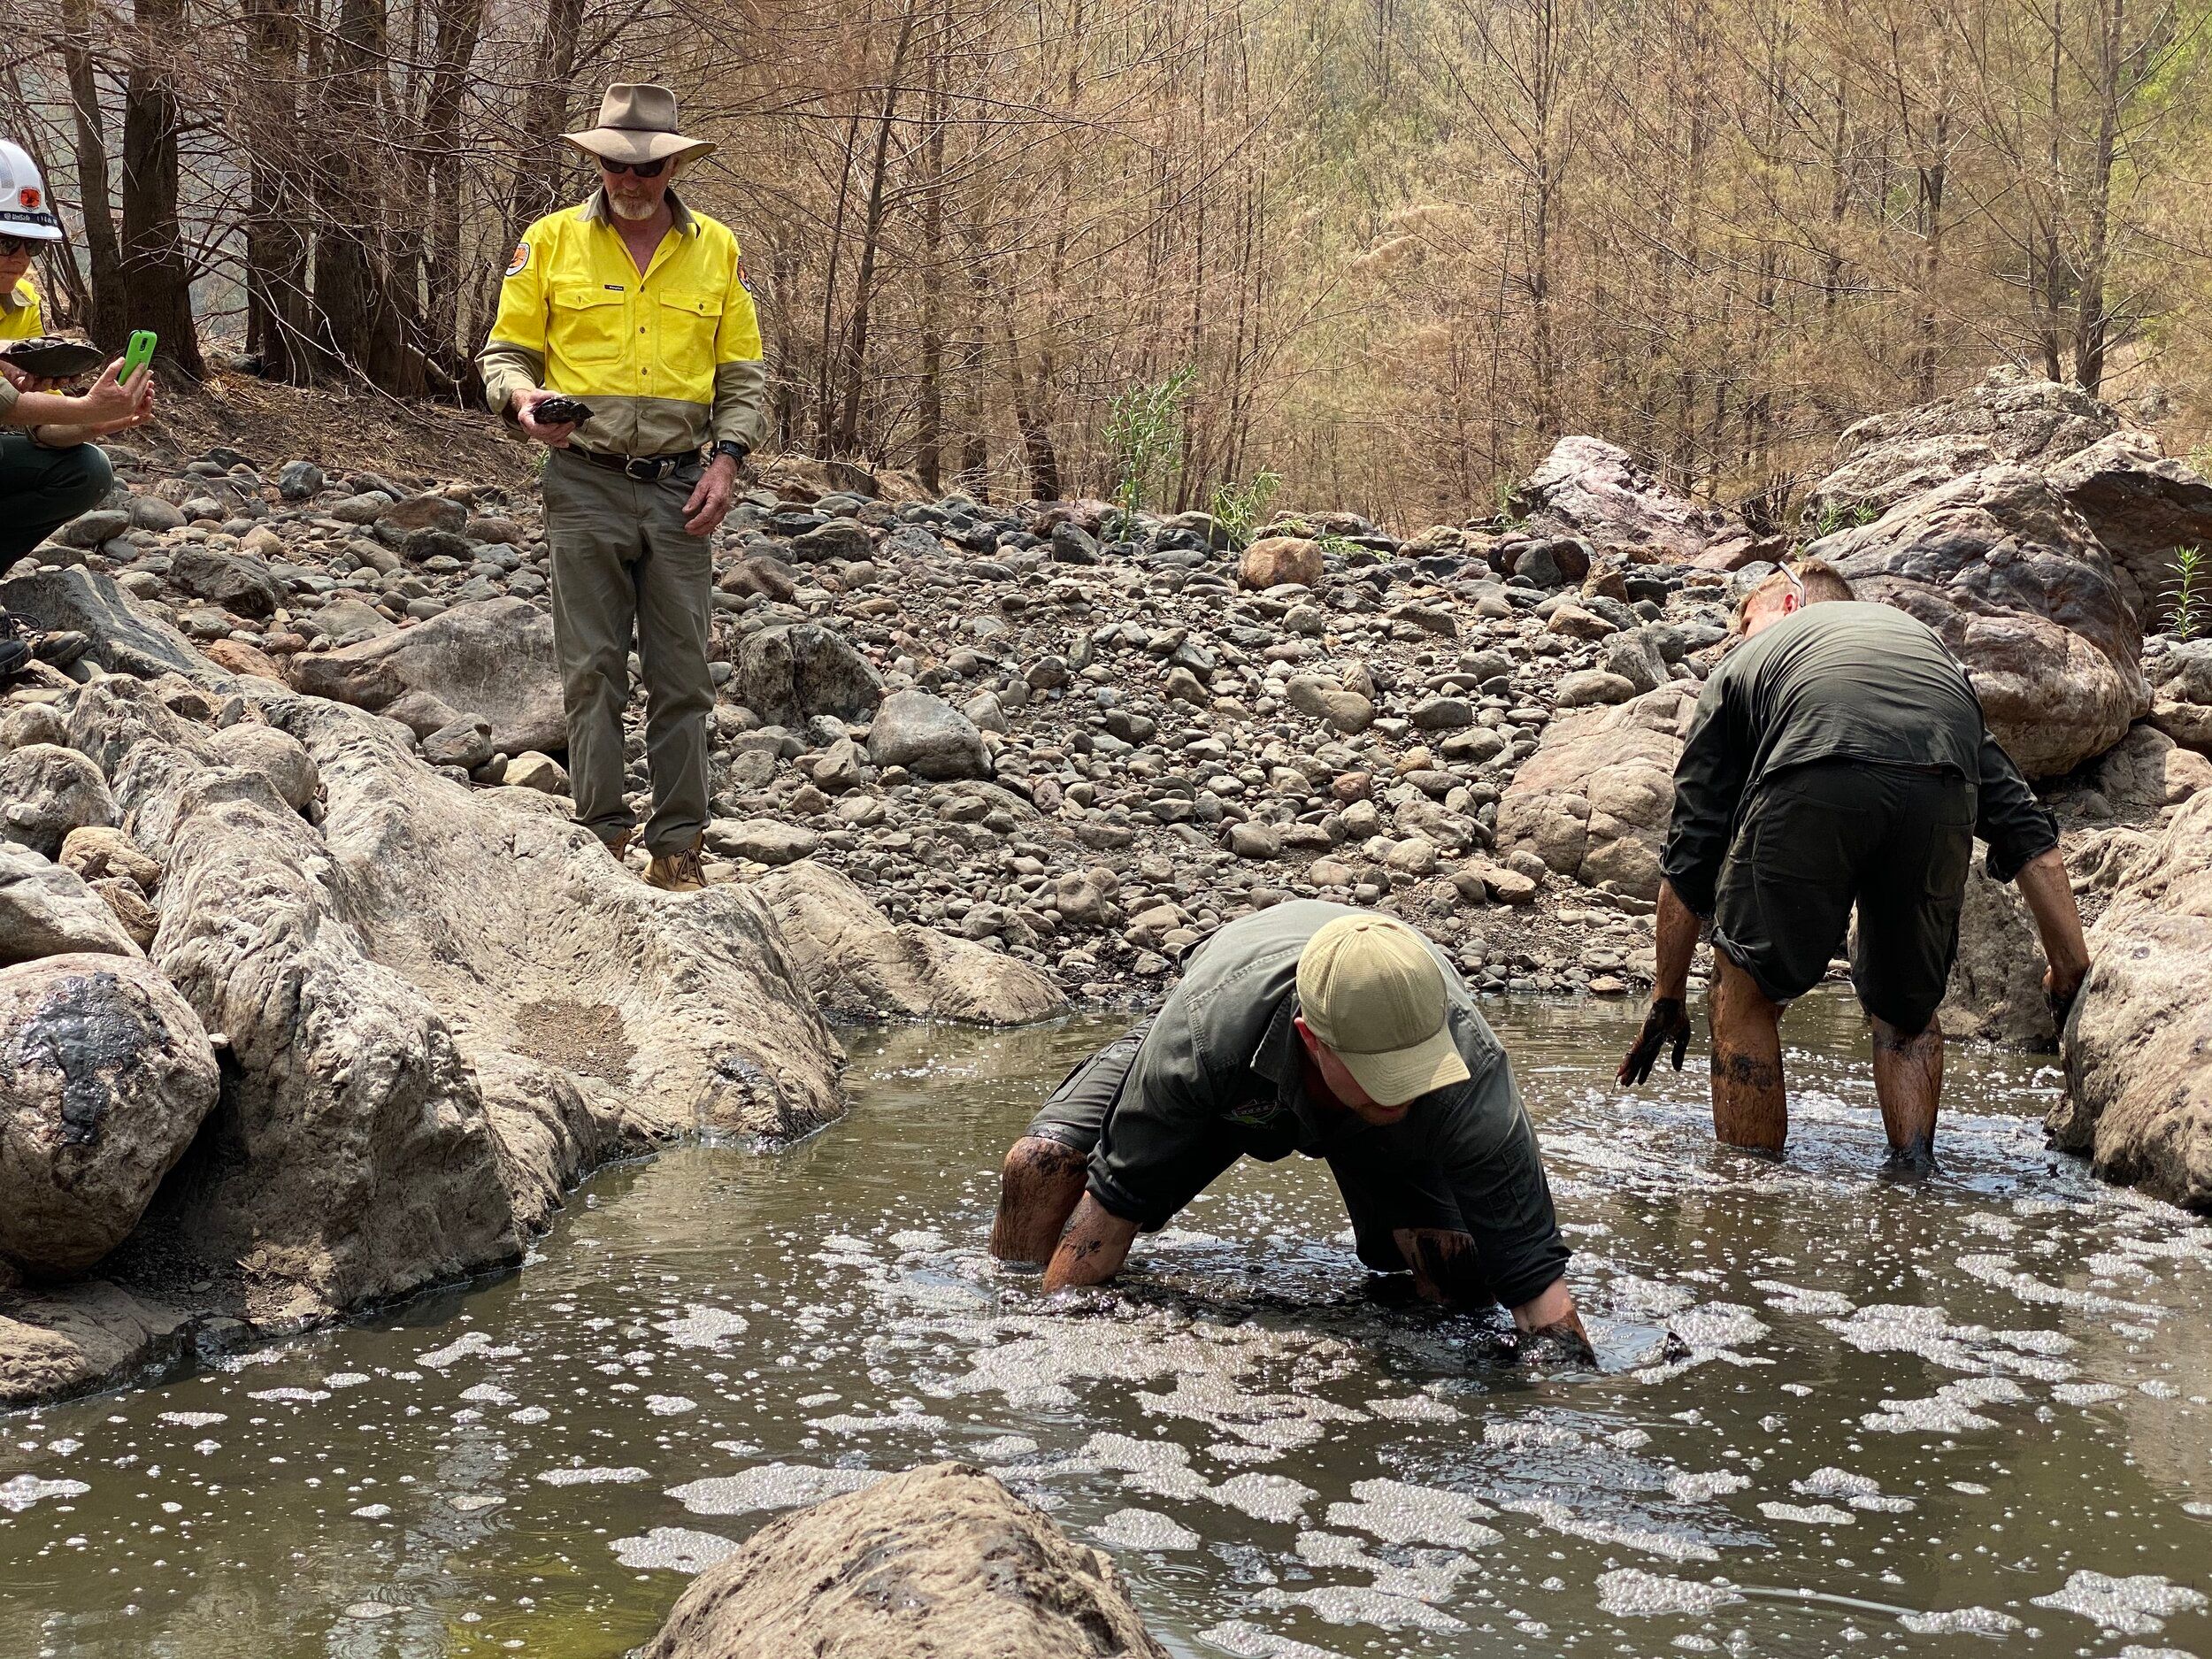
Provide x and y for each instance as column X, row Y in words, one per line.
column 51, row 471
column 634, row 306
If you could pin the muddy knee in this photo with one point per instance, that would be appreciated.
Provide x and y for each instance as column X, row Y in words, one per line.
column 1039, row 1185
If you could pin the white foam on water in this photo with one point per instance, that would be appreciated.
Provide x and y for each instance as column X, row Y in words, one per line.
column 1716, row 1327
column 1631, row 1592
column 848, row 1423
column 472, row 1503
column 2086, row 1394
column 291, row 1396
column 346, row 1379
column 529, row 1414
column 485, row 1394
column 2135, row 1606
column 669, row 1405
column 1264, row 1497
column 1686, row 1488
column 1560, row 1518
column 1528, row 1434
column 1416, row 1409
column 1144, row 1528
column 1633, row 1296
column 1950, row 1410
column 771, row 1486
column 1998, row 1271
column 1246, row 1640
column 1003, row 1449
column 1807, row 1515
column 622, row 1477
column 193, row 1419
column 1347, row 1604
column 20, row 1494
column 1962, row 1621
column 372, row 1511
column 703, row 1326
column 1788, row 1298
column 1398, row 1512
column 673, row 1549
column 455, row 1352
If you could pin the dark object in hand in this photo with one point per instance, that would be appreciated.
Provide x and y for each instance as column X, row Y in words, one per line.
column 1667, row 1022
column 1561, row 1342
column 52, row 359
column 560, row 411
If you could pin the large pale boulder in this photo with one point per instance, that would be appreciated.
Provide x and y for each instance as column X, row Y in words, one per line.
column 1995, row 993
column 928, row 736
column 45, row 792
column 2137, row 1047
column 1595, row 490
column 1594, row 800
column 2023, row 595
column 2181, row 696
column 1277, row 560
column 2147, row 771
column 2143, row 506
column 46, row 911
column 105, row 1074
column 940, row 1563
column 493, row 658
column 441, row 1006
column 789, row 674
column 857, row 963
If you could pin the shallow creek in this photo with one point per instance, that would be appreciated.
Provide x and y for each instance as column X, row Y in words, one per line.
column 1838, row 1414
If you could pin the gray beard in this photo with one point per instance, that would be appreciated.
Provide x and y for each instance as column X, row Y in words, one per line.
column 636, row 212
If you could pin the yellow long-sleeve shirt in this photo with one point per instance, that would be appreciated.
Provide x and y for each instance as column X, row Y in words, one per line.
column 668, row 359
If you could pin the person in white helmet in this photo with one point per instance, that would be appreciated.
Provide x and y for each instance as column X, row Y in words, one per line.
column 51, row 468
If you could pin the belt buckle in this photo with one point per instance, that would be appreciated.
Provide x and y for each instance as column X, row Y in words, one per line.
column 645, row 469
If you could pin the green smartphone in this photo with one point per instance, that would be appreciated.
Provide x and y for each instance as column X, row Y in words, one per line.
column 138, row 355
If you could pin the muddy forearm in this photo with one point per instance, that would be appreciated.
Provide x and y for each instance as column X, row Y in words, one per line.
column 2043, row 884
column 1676, row 945
column 1092, row 1249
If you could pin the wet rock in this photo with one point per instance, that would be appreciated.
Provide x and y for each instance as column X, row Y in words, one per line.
column 46, row 791
column 791, row 673
column 492, row 657
column 1593, row 489
column 2009, row 576
column 855, row 962
column 70, row 1341
column 763, row 841
column 928, row 737
column 105, row 1075
column 1594, row 800
column 1275, row 560
column 46, row 911
column 940, row 1561
column 2137, row 1047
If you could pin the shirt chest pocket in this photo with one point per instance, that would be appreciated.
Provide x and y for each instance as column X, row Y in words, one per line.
column 589, row 324
column 688, row 325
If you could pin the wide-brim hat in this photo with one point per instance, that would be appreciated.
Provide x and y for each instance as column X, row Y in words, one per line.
column 638, row 123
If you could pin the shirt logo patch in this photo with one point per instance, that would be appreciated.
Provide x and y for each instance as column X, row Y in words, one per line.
column 519, row 260
column 744, row 277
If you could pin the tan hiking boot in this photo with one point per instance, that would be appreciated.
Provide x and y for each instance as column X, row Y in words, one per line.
column 677, row 872
column 618, row 846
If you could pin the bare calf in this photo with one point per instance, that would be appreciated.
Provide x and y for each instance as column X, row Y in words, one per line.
column 1039, row 1187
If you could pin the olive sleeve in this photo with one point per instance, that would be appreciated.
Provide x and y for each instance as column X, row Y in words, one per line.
column 1486, row 1149
column 2008, row 816
column 1708, row 781
column 1162, row 1142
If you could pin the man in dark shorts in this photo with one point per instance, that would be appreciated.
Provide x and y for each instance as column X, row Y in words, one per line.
column 1314, row 1028
column 1839, row 758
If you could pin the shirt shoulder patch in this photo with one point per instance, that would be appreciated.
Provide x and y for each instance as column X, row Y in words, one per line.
column 744, row 278
column 520, row 259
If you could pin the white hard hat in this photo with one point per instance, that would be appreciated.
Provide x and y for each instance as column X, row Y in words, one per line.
column 25, row 210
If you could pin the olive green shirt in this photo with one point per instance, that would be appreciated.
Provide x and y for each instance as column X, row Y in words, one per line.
column 1223, row 1050
column 1842, row 680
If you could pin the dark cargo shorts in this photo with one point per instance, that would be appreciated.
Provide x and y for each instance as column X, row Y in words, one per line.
column 1815, row 840
column 1381, row 1192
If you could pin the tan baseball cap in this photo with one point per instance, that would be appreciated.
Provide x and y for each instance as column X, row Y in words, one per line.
column 1371, row 990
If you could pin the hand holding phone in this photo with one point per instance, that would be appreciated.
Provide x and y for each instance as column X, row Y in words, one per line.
column 138, row 354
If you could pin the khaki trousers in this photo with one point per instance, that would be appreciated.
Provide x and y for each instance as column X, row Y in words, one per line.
column 621, row 561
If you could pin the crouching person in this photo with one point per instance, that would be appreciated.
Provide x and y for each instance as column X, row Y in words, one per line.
column 1314, row 1028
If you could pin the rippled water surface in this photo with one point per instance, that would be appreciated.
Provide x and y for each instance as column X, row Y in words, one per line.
column 1967, row 1417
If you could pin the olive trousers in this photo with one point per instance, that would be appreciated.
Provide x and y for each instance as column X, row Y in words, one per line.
column 624, row 566
column 40, row 490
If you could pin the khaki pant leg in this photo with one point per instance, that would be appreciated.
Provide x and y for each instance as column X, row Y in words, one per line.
column 675, row 607
column 594, row 533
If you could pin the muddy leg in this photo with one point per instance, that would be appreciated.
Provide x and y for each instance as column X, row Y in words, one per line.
column 1909, row 1082
column 1445, row 1266
column 1038, row 1189
column 1750, row 1108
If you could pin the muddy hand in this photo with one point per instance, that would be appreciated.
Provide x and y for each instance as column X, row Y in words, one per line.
column 2061, row 990
column 1668, row 1020
column 1563, row 1342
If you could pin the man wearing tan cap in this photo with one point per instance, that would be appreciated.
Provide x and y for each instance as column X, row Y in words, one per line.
column 635, row 308
column 1314, row 1028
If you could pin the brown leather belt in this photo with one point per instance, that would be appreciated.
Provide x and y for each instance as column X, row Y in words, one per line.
column 645, row 468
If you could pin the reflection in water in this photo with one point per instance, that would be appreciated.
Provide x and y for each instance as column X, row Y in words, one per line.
column 1837, row 1413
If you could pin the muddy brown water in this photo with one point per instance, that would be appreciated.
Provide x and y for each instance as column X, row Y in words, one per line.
column 1965, row 1417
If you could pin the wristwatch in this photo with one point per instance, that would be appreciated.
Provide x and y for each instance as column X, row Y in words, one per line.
column 730, row 447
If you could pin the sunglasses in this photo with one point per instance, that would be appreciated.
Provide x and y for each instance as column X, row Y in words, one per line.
column 11, row 246
column 643, row 169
